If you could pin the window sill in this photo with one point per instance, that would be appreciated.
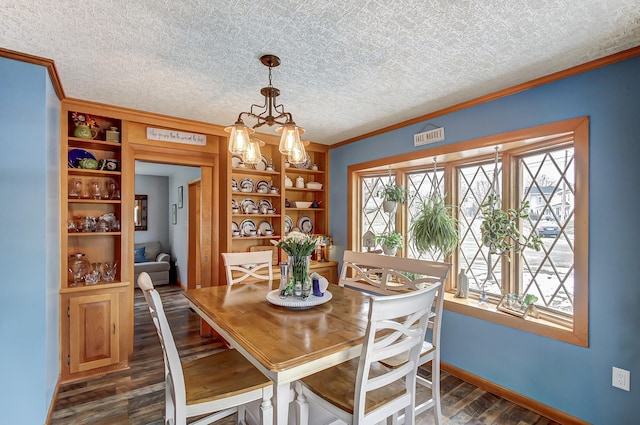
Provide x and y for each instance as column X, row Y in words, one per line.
column 546, row 328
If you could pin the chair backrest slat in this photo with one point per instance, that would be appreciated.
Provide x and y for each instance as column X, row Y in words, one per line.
column 248, row 266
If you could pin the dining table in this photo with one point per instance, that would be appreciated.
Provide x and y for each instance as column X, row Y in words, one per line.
column 286, row 344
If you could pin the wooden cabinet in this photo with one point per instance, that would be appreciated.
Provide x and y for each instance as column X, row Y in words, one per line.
column 240, row 194
column 95, row 332
column 95, row 321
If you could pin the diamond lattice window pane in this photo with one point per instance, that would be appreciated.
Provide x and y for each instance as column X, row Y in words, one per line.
column 373, row 218
column 474, row 186
column 420, row 186
column 548, row 183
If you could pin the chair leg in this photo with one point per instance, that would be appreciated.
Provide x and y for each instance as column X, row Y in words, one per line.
column 410, row 415
column 302, row 406
column 435, row 391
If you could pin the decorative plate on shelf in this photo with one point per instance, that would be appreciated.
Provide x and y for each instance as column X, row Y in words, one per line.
column 288, row 224
column 247, row 226
column 75, row 155
column 234, row 204
column 297, row 303
column 262, row 165
column 263, row 184
column 264, row 227
column 266, row 203
column 234, row 184
column 249, row 204
column 305, row 224
column 236, row 160
column 235, row 227
column 246, row 185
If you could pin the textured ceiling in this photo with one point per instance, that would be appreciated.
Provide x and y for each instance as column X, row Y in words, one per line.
column 348, row 67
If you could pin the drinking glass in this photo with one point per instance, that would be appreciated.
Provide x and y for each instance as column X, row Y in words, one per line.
column 109, row 271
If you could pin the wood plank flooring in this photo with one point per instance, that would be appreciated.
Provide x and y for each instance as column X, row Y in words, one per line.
column 136, row 396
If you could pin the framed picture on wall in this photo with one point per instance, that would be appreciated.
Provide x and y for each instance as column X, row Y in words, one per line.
column 179, row 196
column 174, row 214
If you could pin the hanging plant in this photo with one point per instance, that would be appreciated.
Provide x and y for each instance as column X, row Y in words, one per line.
column 393, row 193
column 434, row 229
column 500, row 231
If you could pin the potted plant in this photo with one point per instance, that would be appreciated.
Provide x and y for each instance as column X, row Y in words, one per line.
column 500, row 233
column 434, row 229
column 392, row 194
column 390, row 242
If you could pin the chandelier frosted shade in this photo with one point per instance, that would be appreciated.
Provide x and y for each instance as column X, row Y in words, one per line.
column 239, row 137
column 252, row 154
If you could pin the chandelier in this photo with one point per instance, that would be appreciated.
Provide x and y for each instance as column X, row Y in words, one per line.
column 240, row 139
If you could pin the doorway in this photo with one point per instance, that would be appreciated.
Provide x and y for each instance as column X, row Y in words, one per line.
column 169, row 213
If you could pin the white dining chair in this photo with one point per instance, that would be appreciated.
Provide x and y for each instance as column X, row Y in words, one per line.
column 386, row 275
column 216, row 385
column 363, row 390
column 248, row 266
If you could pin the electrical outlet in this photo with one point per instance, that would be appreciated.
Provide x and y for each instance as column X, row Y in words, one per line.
column 620, row 378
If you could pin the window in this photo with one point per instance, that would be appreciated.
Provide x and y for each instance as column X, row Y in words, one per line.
column 420, row 185
column 373, row 218
column 549, row 178
column 539, row 166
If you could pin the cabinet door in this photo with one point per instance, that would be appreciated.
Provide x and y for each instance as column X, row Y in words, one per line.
column 94, row 326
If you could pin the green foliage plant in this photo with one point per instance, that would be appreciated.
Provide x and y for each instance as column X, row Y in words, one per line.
column 500, row 231
column 394, row 193
column 390, row 239
column 434, row 229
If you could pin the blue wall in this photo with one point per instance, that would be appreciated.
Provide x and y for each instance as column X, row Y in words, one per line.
column 573, row 379
column 29, row 251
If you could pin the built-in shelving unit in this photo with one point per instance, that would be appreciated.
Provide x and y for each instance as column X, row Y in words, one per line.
column 94, row 324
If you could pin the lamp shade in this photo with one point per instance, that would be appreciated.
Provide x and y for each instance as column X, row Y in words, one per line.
column 252, row 154
column 290, row 138
column 239, row 137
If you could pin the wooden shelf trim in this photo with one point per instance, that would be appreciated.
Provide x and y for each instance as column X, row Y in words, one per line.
column 87, row 234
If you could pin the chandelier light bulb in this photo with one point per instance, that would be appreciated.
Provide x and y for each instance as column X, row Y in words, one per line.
column 298, row 154
column 252, row 154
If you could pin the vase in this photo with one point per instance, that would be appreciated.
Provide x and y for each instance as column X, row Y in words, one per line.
column 389, row 251
column 85, row 132
column 389, row 206
column 299, row 267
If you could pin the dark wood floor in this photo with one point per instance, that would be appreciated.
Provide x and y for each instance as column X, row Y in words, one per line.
column 136, row 396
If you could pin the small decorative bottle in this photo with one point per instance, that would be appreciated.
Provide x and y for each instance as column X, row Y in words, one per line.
column 463, row 285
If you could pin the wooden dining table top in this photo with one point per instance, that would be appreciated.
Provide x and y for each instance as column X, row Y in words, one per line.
column 280, row 338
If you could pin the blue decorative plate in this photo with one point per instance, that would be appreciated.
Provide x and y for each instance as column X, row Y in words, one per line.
column 76, row 155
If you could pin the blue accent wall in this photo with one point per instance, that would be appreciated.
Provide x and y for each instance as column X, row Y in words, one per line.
column 29, row 251
column 573, row 379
